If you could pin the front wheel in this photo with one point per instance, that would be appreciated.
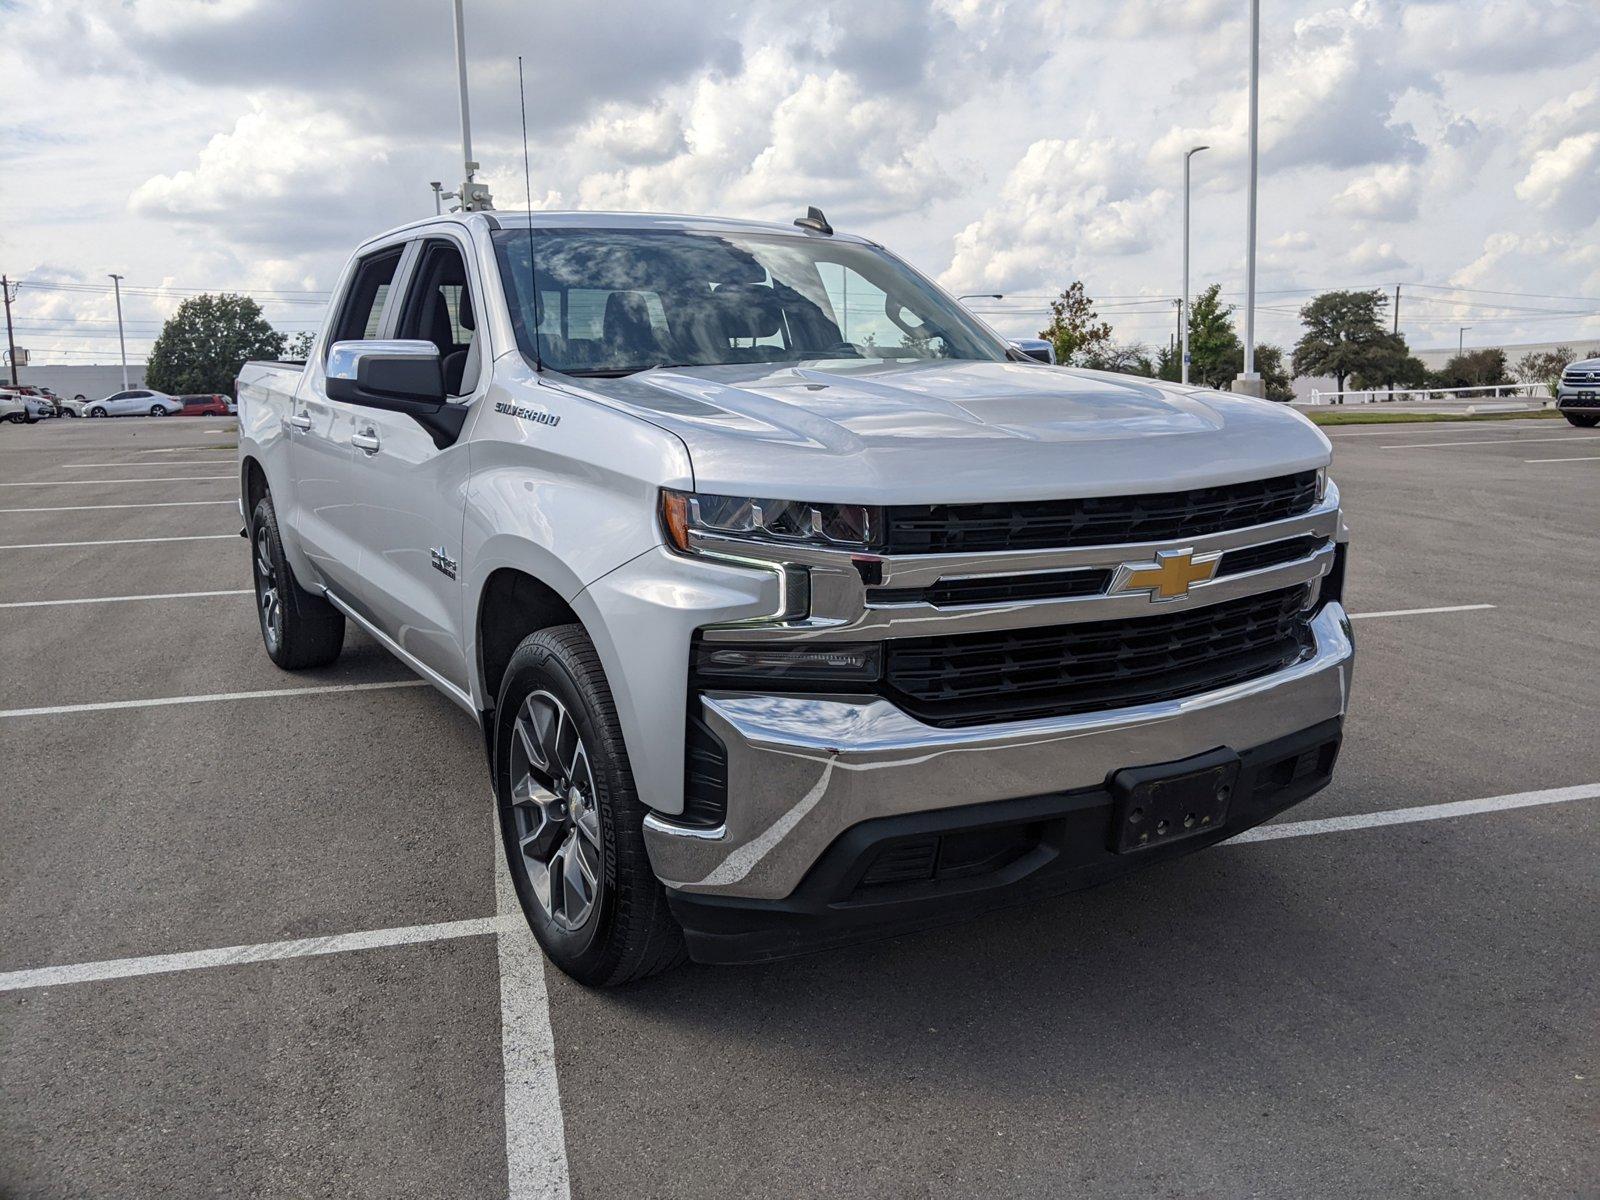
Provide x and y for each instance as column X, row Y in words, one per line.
column 1583, row 422
column 97, row 412
column 300, row 629
column 570, row 819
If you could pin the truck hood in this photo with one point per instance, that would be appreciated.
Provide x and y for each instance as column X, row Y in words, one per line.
column 944, row 431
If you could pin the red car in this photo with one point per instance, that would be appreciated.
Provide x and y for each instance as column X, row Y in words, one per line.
column 206, row 406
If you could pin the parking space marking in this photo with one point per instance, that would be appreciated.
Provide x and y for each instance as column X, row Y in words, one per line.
column 1589, row 458
column 187, row 537
column 55, row 710
column 166, row 462
column 123, row 599
column 1418, row 612
column 1425, row 812
column 1490, row 442
column 97, row 507
column 528, row 990
column 88, row 482
column 229, row 956
column 536, row 1142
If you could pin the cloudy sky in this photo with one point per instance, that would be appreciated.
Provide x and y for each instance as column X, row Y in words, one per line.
column 1001, row 145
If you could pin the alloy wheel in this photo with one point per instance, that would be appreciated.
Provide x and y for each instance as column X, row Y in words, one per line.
column 555, row 809
column 268, row 599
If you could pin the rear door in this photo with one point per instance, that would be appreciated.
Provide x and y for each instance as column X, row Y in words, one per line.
column 325, row 507
column 411, row 491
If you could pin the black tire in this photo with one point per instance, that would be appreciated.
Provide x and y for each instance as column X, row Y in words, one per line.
column 97, row 412
column 17, row 418
column 629, row 933
column 1583, row 422
column 301, row 630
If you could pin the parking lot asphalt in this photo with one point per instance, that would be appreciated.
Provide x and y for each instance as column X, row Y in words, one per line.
column 1378, row 1010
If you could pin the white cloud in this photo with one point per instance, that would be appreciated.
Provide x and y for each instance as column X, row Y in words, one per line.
column 1501, row 36
column 1065, row 203
column 1387, row 193
column 1374, row 255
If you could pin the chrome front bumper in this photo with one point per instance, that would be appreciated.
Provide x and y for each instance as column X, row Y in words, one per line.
column 803, row 769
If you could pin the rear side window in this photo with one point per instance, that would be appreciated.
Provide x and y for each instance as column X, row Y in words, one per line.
column 363, row 304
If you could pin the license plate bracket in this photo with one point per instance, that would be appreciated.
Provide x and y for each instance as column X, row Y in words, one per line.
column 1157, row 805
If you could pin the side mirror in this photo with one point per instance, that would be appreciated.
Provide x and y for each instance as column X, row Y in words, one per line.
column 1035, row 348
column 397, row 376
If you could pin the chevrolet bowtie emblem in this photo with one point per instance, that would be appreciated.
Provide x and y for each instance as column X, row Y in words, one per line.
column 1170, row 577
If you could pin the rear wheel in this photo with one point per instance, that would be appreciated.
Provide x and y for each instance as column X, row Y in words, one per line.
column 300, row 629
column 157, row 411
column 1583, row 422
column 572, row 824
column 17, row 418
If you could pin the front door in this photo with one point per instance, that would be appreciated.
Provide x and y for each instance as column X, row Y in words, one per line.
column 326, row 512
column 412, row 493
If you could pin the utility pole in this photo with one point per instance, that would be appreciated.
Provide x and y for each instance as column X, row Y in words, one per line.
column 1397, row 308
column 116, row 282
column 11, row 341
column 1183, row 314
column 1461, row 340
column 474, row 196
column 1250, row 381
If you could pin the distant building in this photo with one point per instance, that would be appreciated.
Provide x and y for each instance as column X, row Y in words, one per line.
column 1586, row 347
column 93, row 382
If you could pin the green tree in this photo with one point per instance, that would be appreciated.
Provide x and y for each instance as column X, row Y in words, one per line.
column 1216, row 354
column 1075, row 328
column 1475, row 368
column 1545, row 366
column 1132, row 359
column 1390, row 364
column 298, row 346
column 1344, row 336
column 203, row 345
column 1270, row 366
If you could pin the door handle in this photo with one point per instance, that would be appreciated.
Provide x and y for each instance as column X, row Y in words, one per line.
column 365, row 441
column 300, row 420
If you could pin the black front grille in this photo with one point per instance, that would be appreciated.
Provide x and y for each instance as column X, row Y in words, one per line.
column 1271, row 554
column 1095, row 521
column 967, row 679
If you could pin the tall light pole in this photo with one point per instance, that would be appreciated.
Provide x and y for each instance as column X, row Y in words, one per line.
column 116, row 283
column 982, row 296
column 1250, row 380
column 438, row 197
column 1461, row 340
column 474, row 196
column 1184, row 317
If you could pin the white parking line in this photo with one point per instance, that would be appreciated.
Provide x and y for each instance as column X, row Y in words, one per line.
column 1418, row 612
column 536, row 1142
column 121, row 599
column 512, row 922
column 1590, row 458
column 88, row 482
column 98, row 507
column 188, row 537
column 160, row 702
column 229, row 956
column 1425, row 812
column 1490, row 442
column 166, row 462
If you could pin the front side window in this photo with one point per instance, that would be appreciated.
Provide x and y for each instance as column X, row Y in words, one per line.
column 439, row 309
column 369, row 291
column 611, row 302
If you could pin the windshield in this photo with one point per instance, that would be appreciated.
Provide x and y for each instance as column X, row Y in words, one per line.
column 615, row 301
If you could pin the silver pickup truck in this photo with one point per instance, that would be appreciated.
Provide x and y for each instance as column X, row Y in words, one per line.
column 795, row 606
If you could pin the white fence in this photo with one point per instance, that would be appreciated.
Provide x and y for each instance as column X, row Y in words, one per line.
column 1383, row 395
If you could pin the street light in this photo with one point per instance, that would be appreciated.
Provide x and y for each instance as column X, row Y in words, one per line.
column 1188, row 154
column 1252, row 381
column 438, row 197
column 116, row 283
column 982, row 296
column 1461, row 340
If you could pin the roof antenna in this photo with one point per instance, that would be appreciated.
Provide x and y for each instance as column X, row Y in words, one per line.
column 527, row 185
column 814, row 220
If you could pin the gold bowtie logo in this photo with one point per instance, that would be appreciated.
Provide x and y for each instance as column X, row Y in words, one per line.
column 1170, row 577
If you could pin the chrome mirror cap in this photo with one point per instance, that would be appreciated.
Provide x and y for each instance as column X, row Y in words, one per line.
column 344, row 358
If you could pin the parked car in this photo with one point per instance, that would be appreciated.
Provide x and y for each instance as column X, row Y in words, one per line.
column 138, row 402
column 39, row 401
column 73, row 407
column 783, row 629
column 206, row 406
column 13, row 409
column 1578, row 397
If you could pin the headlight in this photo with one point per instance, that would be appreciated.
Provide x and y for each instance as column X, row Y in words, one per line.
column 774, row 522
